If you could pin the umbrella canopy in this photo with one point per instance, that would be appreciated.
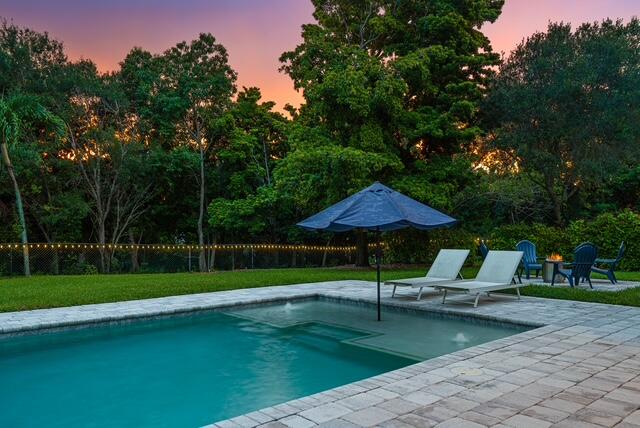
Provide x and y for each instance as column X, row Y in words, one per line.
column 377, row 208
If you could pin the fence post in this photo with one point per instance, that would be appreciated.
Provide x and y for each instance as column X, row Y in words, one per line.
column 189, row 259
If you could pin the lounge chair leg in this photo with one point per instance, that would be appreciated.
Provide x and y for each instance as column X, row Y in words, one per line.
column 518, row 292
column 444, row 296
column 590, row 284
column 475, row 304
column 393, row 294
column 419, row 294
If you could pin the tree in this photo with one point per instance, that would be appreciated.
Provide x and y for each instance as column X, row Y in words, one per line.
column 252, row 139
column 54, row 205
column 108, row 149
column 413, row 71
column 566, row 108
column 393, row 86
column 28, row 63
column 17, row 114
column 28, row 59
column 195, row 88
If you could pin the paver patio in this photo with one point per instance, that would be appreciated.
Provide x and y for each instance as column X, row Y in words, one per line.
column 580, row 368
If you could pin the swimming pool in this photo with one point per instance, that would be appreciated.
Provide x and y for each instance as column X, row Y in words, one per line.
column 191, row 370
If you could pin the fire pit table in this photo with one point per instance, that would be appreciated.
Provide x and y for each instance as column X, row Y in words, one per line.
column 550, row 269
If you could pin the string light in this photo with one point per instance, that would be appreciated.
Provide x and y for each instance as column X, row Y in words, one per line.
column 184, row 247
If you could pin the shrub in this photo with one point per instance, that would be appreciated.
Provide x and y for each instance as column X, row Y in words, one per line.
column 416, row 246
column 81, row 268
column 89, row 269
column 548, row 239
column 607, row 231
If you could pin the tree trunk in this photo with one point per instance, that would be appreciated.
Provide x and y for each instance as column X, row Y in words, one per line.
column 55, row 262
column 212, row 265
column 556, row 201
column 325, row 253
column 135, row 263
column 362, row 248
column 203, row 253
column 55, row 257
column 102, row 241
column 265, row 151
column 19, row 208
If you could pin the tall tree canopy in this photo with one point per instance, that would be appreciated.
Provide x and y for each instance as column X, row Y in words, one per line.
column 253, row 140
column 391, row 88
column 27, row 61
column 396, row 84
column 566, row 108
column 180, row 96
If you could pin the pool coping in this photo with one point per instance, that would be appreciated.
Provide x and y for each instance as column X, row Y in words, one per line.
column 439, row 390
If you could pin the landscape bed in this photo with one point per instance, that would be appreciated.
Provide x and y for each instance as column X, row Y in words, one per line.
column 193, row 369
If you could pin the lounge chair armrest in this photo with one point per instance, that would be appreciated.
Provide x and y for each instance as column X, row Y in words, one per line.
column 606, row 261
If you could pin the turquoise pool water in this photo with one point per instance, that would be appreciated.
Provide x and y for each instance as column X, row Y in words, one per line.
column 188, row 371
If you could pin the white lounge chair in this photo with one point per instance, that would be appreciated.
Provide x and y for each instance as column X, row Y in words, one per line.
column 446, row 267
column 496, row 273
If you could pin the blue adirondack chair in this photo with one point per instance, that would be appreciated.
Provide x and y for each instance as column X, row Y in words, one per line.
column 484, row 250
column 612, row 263
column 584, row 257
column 529, row 258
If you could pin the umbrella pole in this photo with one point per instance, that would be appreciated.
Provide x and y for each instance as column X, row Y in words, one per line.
column 378, row 269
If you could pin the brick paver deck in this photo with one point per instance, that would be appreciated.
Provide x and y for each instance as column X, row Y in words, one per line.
column 580, row 369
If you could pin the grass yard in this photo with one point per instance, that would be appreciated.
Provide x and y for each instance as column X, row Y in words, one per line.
column 38, row 292
column 17, row 294
column 629, row 297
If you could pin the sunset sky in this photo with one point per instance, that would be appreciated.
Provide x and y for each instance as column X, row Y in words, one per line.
column 255, row 32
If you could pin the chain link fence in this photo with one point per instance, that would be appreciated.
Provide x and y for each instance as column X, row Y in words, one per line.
column 84, row 259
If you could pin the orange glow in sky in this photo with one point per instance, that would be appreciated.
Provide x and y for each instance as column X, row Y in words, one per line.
column 255, row 32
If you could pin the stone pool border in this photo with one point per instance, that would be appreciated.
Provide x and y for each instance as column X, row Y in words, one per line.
column 581, row 368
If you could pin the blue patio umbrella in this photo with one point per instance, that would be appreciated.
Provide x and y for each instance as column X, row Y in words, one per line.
column 377, row 208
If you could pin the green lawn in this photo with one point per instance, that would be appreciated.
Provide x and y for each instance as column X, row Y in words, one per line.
column 629, row 297
column 55, row 291
column 18, row 294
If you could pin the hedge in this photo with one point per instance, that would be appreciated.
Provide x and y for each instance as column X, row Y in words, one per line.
column 605, row 231
column 415, row 246
column 548, row 239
